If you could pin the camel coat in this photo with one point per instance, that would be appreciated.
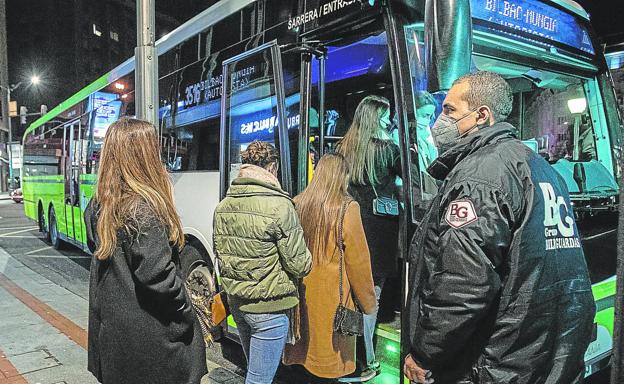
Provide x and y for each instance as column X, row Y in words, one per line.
column 319, row 350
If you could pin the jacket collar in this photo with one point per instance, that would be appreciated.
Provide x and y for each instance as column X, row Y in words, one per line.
column 253, row 180
column 443, row 165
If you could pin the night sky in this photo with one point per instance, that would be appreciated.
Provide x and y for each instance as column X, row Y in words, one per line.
column 606, row 17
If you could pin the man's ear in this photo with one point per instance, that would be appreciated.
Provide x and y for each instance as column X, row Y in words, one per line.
column 484, row 116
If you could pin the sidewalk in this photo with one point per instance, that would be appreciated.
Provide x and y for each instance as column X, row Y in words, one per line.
column 42, row 327
column 43, row 336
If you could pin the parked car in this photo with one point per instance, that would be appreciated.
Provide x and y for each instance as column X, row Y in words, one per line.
column 17, row 196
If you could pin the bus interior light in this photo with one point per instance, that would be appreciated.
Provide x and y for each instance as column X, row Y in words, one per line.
column 577, row 105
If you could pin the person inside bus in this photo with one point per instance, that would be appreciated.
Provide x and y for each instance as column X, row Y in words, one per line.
column 374, row 165
column 262, row 254
column 142, row 328
column 501, row 292
column 327, row 211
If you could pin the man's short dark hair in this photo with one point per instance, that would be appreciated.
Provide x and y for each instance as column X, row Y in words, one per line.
column 490, row 89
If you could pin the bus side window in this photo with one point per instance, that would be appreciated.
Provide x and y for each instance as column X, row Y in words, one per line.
column 191, row 148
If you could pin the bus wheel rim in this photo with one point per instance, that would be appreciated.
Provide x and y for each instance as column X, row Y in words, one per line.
column 53, row 229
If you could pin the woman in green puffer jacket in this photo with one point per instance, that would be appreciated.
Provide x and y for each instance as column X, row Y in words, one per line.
column 262, row 255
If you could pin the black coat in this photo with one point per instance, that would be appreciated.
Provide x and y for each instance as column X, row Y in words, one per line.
column 381, row 231
column 141, row 325
column 500, row 291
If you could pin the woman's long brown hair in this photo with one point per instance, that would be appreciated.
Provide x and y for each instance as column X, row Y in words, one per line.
column 319, row 206
column 358, row 145
column 130, row 177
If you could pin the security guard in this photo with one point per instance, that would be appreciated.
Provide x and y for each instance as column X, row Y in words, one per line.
column 499, row 287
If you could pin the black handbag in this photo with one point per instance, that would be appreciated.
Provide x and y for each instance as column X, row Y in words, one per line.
column 347, row 321
column 385, row 206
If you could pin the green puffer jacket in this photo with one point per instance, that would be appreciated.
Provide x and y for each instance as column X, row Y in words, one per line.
column 260, row 246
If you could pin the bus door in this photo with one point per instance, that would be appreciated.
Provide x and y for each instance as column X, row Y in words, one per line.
column 348, row 65
column 253, row 108
column 73, row 162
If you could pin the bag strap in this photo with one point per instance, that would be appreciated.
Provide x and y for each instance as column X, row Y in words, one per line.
column 374, row 190
column 343, row 209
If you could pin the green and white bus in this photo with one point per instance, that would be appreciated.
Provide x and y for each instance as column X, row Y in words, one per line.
column 292, row 73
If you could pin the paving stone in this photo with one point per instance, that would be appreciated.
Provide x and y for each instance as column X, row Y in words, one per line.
column 34, row 361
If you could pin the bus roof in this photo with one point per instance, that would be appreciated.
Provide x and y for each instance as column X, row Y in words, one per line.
column 200, row 22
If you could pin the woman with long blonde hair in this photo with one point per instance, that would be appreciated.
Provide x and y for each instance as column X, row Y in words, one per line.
column 374, row 165
column 142, row 328
column 325, row 208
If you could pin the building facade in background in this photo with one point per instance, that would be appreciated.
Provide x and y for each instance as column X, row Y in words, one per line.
column 69, row 44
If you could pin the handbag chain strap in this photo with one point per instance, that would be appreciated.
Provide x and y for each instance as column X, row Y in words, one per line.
column 341, row 244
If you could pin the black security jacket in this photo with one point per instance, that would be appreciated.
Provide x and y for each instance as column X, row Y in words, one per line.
column 499, row 287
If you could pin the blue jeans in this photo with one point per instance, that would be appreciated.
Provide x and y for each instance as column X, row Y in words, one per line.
column 369, row 326
column 263, row 336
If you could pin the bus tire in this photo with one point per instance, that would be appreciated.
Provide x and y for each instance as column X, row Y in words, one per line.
column 193, row 250
column 53, row 233
column 42, row 223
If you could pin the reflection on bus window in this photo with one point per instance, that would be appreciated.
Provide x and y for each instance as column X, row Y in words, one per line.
column 422, row 148
column 191, row 148
column 427, row 107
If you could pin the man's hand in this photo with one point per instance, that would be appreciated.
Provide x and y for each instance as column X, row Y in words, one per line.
column 416, row 373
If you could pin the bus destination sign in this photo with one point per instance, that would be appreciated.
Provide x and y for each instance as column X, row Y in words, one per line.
column 534, row 18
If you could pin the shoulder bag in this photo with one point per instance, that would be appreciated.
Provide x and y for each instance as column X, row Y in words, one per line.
column 384, row 206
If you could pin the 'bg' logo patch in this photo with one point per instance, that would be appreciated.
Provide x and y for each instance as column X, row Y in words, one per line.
column 460, row 213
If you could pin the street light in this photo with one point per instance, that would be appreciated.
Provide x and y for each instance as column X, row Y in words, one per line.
column 34, row 80
column 577, row 107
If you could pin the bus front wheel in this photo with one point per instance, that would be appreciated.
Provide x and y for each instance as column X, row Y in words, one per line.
column 53, row 233
column 43, row 228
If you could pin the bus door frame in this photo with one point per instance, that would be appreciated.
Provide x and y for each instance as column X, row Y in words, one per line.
column 403, row 99
column 71, row 197
column 318, row 51
column 400, row 75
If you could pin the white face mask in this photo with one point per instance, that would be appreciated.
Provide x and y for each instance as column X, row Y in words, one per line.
column 445, row 132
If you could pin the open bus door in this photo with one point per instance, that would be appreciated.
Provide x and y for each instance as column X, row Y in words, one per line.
column 73, row 163
column 253, row 85
column 252, row 108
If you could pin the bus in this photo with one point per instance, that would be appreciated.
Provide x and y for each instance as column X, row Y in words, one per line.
column 292, row 73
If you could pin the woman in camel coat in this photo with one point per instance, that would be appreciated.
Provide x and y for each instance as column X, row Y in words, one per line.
column 323, row 352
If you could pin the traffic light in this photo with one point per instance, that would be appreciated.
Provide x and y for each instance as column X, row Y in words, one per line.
column 12, row 108
column 44, row 109
column 23, row 112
